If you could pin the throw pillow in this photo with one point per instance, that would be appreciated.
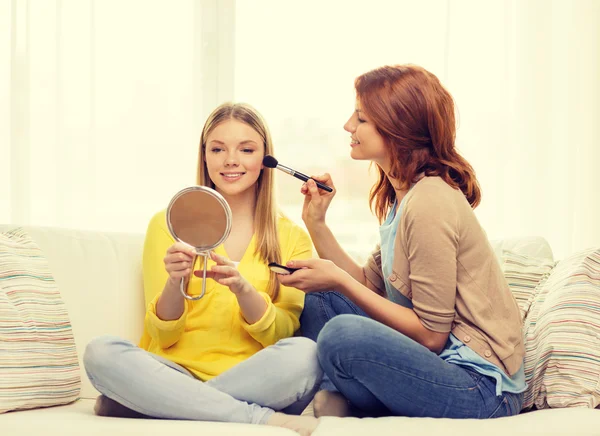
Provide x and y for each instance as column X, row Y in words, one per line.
column 524, row 274
column 38, row 359
column 562, row 336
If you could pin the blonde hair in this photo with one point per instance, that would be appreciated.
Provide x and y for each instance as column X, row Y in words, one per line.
column 265, row 215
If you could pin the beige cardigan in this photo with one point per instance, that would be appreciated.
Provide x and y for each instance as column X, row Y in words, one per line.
column 444, row 263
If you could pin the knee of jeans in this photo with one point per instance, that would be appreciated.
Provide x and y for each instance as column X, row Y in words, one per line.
column 313, row 301
column 338, row 331
column 303, row 360
column 100, row 353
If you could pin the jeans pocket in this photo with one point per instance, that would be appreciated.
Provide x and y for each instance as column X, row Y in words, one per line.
column 474, row 375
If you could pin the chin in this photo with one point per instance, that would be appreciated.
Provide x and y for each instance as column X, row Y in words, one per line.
column 233, row 191
column 356, row 154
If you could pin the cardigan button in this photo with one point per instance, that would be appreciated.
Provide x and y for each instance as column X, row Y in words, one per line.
column 393, row 277
column 467, row 338
column 487, row 353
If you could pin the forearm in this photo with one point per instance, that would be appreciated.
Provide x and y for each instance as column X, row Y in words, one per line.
column 171, row 304
column 329, row 248
column 400, row 318
column 252, row 305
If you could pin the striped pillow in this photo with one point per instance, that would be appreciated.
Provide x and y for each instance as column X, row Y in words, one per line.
column 524, row 274
column 562, row 336
column 38, row 359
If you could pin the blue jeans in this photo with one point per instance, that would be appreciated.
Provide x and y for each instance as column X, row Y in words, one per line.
column 383, row 372
column 284, row 376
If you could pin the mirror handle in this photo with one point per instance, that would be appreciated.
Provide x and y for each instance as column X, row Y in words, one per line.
column 182, row 287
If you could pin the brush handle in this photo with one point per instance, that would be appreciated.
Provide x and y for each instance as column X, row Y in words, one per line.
column 305, row 178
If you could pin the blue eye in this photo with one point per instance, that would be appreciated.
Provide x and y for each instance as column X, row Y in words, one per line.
column 216, row 150
column 248, row 150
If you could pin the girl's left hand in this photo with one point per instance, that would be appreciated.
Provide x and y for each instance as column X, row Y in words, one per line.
column 225, row 273
column 315, row 275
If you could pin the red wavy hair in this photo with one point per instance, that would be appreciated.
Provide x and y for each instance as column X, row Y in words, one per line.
column 414, row 114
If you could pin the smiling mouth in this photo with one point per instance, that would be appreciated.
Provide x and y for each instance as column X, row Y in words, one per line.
column 232, row 175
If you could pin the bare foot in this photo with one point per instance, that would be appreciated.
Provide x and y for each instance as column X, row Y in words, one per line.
column 310, row 409
column 331, row 404
column 303, row 425
column 106, row 407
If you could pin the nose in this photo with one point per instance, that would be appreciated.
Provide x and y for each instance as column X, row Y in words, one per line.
column 350, row 126
column 231, row 160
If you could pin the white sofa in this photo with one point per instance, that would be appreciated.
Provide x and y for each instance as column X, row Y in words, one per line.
column 99, row 276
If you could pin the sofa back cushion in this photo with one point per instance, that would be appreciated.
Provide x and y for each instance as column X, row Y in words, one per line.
column 532, row 246
column 38, row 359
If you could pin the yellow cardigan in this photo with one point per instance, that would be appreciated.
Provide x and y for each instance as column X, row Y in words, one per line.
column 212, row 336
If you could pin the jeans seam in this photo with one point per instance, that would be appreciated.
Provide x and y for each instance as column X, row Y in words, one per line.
column 503, row 402
column 324, row 308
column 359, row 359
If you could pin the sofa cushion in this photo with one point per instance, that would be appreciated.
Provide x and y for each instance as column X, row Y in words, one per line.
column 562, row 336
column 534, row 246
column 524, row 274
column 78, row 419
column 38, row 359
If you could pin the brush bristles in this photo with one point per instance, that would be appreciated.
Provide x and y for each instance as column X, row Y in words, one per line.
column 269, row 161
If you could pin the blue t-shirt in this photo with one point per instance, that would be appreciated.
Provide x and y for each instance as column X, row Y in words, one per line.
column 455, row 351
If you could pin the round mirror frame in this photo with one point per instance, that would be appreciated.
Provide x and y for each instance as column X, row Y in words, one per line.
column 200, row 251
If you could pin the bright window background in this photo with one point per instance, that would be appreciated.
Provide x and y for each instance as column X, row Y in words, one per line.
column 297, row 64
column 102, row 103
column 524, row 75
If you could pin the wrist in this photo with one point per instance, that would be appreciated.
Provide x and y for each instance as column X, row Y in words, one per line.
column 316, row 227
column 173, row 285
column 245, row 289
column 341, row 281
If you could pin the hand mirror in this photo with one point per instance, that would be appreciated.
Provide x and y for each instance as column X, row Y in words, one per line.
column 201, row 218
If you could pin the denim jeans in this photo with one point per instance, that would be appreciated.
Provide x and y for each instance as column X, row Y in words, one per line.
column 383, row 372
column 284, row 376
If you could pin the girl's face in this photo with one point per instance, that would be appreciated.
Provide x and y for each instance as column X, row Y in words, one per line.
column 366, row 142
column 234, row 154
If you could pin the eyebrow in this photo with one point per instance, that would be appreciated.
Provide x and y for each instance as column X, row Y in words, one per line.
column 245, row 142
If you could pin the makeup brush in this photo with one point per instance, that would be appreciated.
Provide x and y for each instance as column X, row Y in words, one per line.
column 270, row 162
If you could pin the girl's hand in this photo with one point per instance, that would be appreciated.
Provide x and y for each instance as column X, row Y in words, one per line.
column 315, row 275
column 316, row 201
column 225, row 273
column 178, row 262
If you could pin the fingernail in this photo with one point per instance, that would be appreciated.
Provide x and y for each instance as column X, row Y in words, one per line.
column 290, row 263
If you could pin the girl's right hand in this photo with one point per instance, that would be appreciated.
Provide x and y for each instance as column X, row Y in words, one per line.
column 178, row 262
column 316, row 201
